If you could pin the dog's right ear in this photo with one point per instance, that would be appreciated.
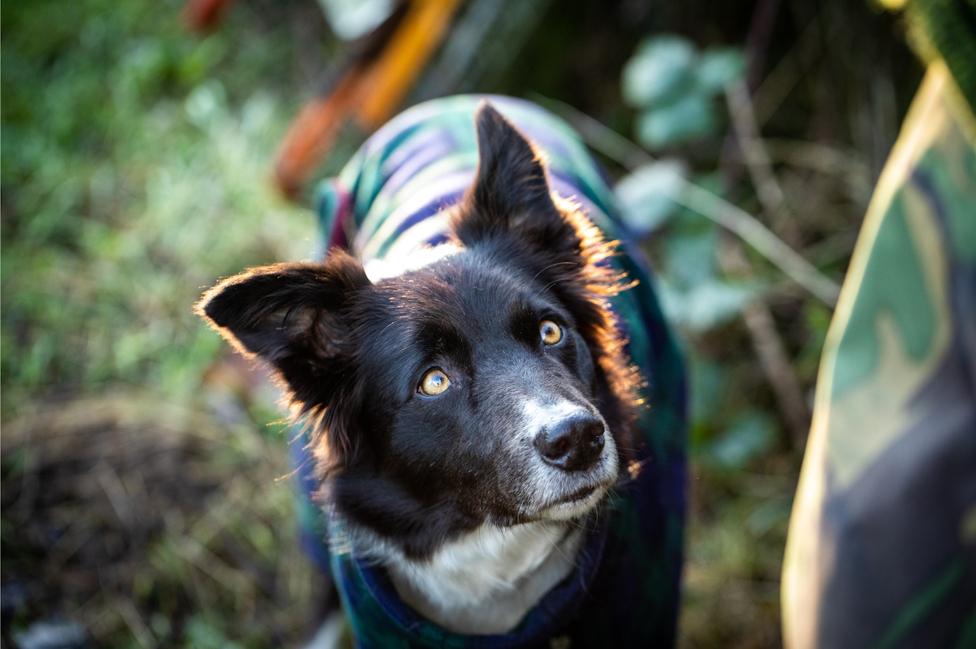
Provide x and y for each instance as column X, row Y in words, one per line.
column 293, row 317
column 510, row 194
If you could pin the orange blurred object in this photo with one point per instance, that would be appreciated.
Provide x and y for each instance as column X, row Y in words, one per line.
column 403, row 59
column 312, row 133
column 204, row 15
column 374, row 84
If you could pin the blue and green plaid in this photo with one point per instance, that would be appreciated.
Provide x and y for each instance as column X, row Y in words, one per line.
column 388, row 203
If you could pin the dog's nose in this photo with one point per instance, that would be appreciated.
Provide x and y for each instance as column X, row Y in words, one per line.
column 573, row 443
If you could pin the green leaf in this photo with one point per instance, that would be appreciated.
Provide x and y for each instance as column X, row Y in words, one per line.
column 718, row 68
column 749, row 436
column 207, row 102
column 206, row 634
column 689, row 256
column 708, row 304
column 709, row 382
column 352, row 19
column 660, row 69
column 646, row 195
column 688, row 118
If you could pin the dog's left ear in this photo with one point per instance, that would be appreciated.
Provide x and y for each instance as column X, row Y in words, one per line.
column 510, row 194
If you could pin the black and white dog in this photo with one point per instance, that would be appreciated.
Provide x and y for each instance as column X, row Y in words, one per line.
column 471, row 411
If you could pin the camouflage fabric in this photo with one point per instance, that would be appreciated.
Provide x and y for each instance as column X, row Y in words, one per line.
column 882, row 542
column 945, row 30
column 387, row 205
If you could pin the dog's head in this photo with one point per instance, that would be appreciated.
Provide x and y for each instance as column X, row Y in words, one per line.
column 489, row 386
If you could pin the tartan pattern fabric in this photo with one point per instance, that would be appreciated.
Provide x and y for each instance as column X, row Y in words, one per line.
column 388, row 204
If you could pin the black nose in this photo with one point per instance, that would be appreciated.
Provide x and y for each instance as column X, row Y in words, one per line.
column 572, row 444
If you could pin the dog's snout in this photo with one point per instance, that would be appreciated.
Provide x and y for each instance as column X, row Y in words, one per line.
column 573, row 443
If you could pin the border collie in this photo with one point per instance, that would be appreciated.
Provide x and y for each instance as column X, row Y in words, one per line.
column 492, row 402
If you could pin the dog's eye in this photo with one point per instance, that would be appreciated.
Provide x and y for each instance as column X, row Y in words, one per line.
column 551, row 332
column 435, row 382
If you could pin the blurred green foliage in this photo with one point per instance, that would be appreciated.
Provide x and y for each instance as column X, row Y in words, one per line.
column 133, row 173
column 135, row 170
column 674, row 88
column 663, row 78
column 155, row 525
column 646, row 195
column 741, row 463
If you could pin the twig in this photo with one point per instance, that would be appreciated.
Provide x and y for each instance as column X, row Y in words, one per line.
column 833, row 248
column 779, row 83
column 133, row 620
column 760, row 30
column 770, row 351
column 756, row 159
column 715, row 208
column 759, row 321
column 115, row 492
column 827, row 160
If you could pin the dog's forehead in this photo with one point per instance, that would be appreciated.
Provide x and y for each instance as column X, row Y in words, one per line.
column 455, row 292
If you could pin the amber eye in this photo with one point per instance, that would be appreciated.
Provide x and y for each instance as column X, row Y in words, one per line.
column 550, row 332
column 435, row 382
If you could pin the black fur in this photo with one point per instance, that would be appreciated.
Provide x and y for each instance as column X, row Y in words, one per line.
column 419, row 470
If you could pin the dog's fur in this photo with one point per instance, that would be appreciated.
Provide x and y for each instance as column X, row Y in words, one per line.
column 449, row 492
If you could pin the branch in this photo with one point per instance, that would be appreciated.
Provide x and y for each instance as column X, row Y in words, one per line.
column 756, row 158
column 713, row 207
column 770, row 350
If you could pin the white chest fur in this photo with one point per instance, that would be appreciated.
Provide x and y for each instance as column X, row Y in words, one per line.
column 487, row 580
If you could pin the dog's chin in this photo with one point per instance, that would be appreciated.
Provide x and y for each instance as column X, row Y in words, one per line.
column 572, row 499
column 555, row 495
column 574, row 505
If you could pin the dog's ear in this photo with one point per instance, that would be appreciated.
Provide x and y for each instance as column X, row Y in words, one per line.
column 510, row 194
column 291, row 316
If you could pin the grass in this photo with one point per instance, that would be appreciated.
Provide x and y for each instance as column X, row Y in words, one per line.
column 139, row 498
column 133, row 174
column 153, row 524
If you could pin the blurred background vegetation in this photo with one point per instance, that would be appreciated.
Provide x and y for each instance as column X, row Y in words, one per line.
column 145, row 485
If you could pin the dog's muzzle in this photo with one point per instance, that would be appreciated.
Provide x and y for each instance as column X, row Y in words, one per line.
column 572, row 443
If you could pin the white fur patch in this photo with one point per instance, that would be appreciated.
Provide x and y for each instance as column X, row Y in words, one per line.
column 395, row 265
column 538, row 415
column 487, row 580
column 574, row 509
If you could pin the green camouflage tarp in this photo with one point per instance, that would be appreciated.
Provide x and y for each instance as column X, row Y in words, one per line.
column 882, row 541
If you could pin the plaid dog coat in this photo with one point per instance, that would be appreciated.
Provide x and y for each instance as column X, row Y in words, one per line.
column 388, row 205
